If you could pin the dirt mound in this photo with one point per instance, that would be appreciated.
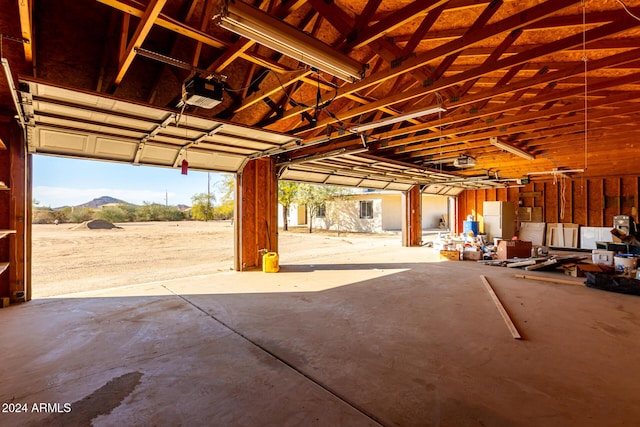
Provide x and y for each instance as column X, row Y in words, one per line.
column 95, row 224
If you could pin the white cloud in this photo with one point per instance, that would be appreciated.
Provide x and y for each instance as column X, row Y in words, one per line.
column 61, row 196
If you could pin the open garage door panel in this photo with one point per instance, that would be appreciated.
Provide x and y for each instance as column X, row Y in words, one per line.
column 369, row 171
column 67, row 122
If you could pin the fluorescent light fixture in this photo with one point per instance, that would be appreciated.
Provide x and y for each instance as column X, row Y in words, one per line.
column 259, row 26
column 511, row 149
column 396, row 119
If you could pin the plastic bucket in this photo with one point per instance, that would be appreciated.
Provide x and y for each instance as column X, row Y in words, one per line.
column 624, row 263
column 270, row 262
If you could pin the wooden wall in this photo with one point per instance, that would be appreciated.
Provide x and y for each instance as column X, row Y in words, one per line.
column 256, row 225
column 15, row 214
column 412, row 217
column 589, row 202
column 5, row 210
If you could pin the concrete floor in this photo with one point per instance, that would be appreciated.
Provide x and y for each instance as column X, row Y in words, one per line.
column 394, row 338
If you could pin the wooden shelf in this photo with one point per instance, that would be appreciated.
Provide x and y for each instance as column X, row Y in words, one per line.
column 5, row 233
column 3, row 266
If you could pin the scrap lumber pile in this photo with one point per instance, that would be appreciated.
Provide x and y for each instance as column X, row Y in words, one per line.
column 542, row 263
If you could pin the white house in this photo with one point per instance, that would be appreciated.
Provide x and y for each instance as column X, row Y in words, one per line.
column 372, row 212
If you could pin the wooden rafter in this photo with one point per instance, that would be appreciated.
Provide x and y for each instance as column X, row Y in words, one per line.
column 422, row 149
column 399, row 18
column 603, row 31
column 25, row 9
column 422, row 30
column 455, row 121
column 145, row 25
column 506, row 25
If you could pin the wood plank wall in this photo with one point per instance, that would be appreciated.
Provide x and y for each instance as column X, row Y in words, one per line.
column 412, row 217
column 15, row 214
column 256, row 225
column 5, row 197
column 589, row 202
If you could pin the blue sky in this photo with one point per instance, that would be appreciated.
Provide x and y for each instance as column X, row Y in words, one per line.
column 58, row 181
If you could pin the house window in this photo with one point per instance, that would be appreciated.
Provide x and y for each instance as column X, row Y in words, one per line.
column 366, row 208
column 322, row 211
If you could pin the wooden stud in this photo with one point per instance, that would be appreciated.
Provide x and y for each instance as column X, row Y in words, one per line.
column 501, row 309
column 549, row 279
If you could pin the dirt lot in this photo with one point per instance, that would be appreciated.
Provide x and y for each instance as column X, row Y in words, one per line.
column 72, row 260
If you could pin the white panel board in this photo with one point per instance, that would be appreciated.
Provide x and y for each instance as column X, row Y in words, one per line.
column 111, row 148
column 590, row 235
column 156, row 155
column 65, row 142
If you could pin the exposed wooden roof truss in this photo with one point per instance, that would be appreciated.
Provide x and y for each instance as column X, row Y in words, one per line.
column 558, row 80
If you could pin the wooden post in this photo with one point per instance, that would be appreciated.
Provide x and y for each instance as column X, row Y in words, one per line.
column 412, row 217
column 256, row 215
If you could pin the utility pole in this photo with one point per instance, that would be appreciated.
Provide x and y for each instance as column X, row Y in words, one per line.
column 208, row 194
column 166, row 198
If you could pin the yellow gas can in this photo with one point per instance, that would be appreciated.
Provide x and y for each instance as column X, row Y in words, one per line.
column 270, row 262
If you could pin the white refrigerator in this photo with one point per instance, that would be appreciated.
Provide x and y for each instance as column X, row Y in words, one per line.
column 499, row 219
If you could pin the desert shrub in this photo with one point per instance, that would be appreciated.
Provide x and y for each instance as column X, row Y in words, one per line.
column 224, row 211
column 112, row 214
column 81, row 214
column 202, row 206
column 43, row 216
column 156, row 212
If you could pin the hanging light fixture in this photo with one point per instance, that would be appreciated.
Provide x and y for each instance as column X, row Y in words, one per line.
column 511, row 149
column 396, row 119
column 254, row 24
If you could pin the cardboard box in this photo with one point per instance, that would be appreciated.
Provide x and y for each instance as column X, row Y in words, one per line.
column 508, row 249
column 450, row 255
column 599, row 256
column 472, row 255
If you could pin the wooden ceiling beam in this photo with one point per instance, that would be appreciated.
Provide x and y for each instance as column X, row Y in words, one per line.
column 205, row 19
column 143, row 29
column 196, row 54
column 494, row 56
column 482, row 114
column 166, row 22
column 606, row 45
column 393, row 21
column 25, row 11
column 514, row 127
column 479, row 23
column 559, row 127
column 511, row 61
column 506, row 25
column 564, row 21
column 339, row 20
column 539, row 146
column 422, row 30
column 594, row 90
column 187, row 31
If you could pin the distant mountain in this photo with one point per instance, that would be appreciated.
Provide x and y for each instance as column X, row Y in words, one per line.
column 101, row 201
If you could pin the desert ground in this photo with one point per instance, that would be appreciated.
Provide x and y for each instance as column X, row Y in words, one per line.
column 67, row 259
